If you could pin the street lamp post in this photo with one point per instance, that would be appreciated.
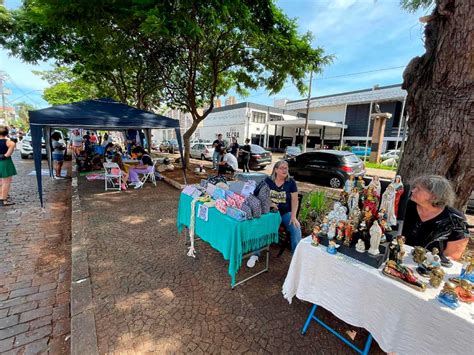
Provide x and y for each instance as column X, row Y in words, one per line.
column 306, row 123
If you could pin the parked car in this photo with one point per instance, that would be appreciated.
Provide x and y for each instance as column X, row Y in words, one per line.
column 202, row 151
column 169, row 146
column 291, row 152
column 393, row 153
column 26, row 149
column 259, row 157
column 330, row 166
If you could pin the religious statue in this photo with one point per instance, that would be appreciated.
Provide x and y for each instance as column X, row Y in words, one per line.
column 363, row 231
column 375, row 184
column 465, row 292
column 436, row 277
column 400, row 249
column 331, row 249
column 349, row 184
column 397, row 185
column 355, row 215
column 375, row 236
column 353, row 200
column 430, row 261
column 360, row 184
column 467, row 272
column 370, row 200
column 419, row 255
column 332, row 230
column 448, row 296
column 348, row 231
column 382, row 218
column 360, row 246
column 403, row 274
column 315, row 235
column 324, row 227
column 367, row 216
column 388, row 204
column 340, row 230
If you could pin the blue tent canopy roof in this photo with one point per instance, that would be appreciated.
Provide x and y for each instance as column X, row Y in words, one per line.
column 100, row 113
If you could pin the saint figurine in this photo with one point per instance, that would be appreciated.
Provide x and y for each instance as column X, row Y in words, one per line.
column 375, row 236
column 353, row 200
column 397, row 185
column 448, row 296
column 331, row 249
column 375, row 184
column 467, row 272
column 464, row 291
column 360, row 184
column 348, row 231
column 388, row 204
column 340, row 230
column 371, row 200
column 315, row 235
column 360, row 246
column 332, row 230
column 436, row 277
column 349, row 184
column 324, row 227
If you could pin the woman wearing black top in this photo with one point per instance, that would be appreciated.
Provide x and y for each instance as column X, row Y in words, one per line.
column 430, row 222
column 246, row 150
column 7, row 168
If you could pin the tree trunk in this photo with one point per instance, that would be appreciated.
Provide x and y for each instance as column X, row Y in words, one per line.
column 187, row 136
column 440, row 86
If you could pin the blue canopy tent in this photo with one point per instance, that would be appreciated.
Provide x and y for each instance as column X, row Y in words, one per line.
column 92, row 114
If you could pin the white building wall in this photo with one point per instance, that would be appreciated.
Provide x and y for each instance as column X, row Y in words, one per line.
column 328, row 113
column 229, row 122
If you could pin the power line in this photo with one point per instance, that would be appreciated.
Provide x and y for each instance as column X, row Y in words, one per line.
column 334, row 77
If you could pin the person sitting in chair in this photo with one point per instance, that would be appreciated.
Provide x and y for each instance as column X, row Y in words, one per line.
column 145, row 167
column 227, row 163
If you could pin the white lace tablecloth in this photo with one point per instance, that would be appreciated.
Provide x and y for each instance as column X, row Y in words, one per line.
column 400, row 319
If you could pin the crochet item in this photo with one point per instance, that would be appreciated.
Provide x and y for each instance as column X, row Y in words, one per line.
column 205, row 199
column 247, row 210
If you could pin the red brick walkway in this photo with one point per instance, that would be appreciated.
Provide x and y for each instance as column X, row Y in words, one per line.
column 35, row 267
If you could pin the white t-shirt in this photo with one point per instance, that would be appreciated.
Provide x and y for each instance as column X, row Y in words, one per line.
column 57, row 147
column 76, row 140
column 231, row 160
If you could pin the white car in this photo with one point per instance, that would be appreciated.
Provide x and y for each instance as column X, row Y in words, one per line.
column 26, row 150
column 393, row 153
column 202, row 151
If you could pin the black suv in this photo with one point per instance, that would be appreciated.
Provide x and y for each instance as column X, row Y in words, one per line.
column 330, row 166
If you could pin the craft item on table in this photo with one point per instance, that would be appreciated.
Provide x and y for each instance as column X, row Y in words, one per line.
column 375, row 183
column 382, row 218
column 371, row 201
column 315, row 235
column 465, row 292
column 363, row 232
column 219, row 194
column 210, row 188
column 340, row 230
column 324, row 227
column 229, row 193
column 353, row 200
column 436, row 277
column 355, row 215
column 404, row 274
column 388, row 204
column 264, row 196
column 236, row 214
column 360, row 246
column 249, row 188
column 236, row 186
column 367, row 216
column 204, row 183
column 467, row 272
column 216, row 179
column 332, row 247
column 348, row 232
column 222, row 185
column 375, row 236
column 203, row 212
column 192, row 191
column 247, row 210
column 431, row 260
column 230, row 202
column 221, row 205
column 397, row 185
column 448, row 296
column 349, row 184
column 360, row 184
column 239, row 200
column 255, row 206
column 332, row 230
column 396, row 249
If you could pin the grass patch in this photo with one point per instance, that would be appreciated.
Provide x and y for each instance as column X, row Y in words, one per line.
column 380, row 166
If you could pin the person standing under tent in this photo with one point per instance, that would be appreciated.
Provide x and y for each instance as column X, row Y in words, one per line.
column 7, row 168
column 218, row 144
column 58, row 154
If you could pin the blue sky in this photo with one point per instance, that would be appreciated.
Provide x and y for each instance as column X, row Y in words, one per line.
column 364, row 35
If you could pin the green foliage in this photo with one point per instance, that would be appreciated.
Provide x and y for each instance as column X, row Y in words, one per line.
column 344, row 147
column 313, row 208
column 23, row 119
column 414, row 5
column 380, row 166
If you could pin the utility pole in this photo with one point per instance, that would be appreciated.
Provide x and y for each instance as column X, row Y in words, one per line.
column 306, row 123
column 4, row 112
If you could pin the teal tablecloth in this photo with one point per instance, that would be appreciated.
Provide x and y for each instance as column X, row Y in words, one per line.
column 229, row 236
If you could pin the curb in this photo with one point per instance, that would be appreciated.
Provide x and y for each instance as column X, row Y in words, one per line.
column 172, row 182
column 83, row 332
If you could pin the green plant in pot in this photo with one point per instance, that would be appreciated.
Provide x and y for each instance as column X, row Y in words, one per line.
column 314, row 206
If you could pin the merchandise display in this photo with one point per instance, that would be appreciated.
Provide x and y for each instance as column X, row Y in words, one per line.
column 465, row 292
column 448, row 296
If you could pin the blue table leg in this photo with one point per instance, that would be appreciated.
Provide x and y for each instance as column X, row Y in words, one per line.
column 311, row 316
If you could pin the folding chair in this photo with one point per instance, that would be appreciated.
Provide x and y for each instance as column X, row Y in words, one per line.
column 150, row 175
column 112, row 179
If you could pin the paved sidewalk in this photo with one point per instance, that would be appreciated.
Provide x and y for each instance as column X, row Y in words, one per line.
column 35, row 266
column 148, row 296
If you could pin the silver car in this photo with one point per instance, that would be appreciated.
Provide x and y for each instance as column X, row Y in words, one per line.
column 26, row 149
column 203, row 151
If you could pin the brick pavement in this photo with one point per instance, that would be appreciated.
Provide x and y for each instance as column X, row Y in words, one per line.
column 148, row 296
column 35, row 267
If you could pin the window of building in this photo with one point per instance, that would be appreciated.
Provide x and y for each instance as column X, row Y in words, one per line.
column 274, row 118
column 258, row 117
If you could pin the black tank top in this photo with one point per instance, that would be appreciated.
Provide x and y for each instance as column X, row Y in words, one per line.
column 3, row 146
